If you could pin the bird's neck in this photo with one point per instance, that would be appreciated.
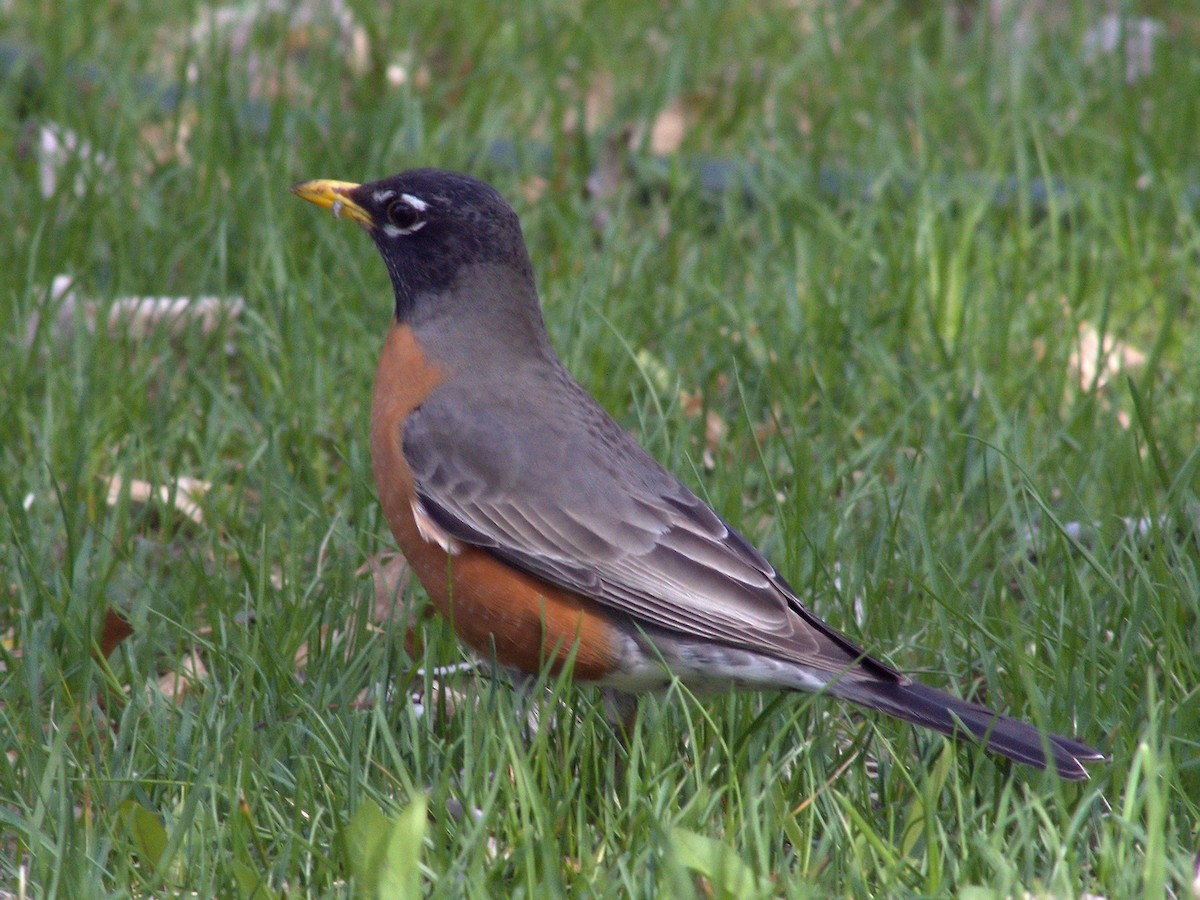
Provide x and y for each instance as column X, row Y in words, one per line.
column 488, row 316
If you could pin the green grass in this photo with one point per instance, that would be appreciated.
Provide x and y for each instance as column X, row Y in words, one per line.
column 904, row 430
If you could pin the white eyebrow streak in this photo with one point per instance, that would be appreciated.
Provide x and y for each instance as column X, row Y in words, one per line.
column 383, row 196
column 415, row 202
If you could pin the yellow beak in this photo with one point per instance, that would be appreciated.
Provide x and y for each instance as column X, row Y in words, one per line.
column 333, row 195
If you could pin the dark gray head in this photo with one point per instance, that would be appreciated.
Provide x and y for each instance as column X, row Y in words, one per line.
column 429, row 225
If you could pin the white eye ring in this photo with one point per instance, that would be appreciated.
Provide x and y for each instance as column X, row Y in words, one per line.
column 405, row 216
column 396, row 231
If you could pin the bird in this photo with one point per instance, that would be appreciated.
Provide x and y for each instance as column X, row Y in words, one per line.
column 543, row 531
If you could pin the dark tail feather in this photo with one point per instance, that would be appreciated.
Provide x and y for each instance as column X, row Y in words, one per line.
column 942, row 712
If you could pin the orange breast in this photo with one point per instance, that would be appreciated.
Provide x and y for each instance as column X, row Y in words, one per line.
column 501, row 613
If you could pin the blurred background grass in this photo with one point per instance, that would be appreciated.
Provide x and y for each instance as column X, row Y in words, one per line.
column 906, row 290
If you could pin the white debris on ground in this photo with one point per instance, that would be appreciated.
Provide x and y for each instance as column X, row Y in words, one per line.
column 60, row 148
column 134, row 317
column 1133, row 37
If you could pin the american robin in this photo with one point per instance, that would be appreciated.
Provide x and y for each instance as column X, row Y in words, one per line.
column 542, row 530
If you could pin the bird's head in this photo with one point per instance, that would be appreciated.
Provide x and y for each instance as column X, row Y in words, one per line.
column 429, row 225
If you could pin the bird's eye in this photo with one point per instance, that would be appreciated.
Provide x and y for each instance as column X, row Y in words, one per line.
column 405, row 217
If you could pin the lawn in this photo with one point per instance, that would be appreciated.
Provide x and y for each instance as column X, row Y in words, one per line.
column 907, row 291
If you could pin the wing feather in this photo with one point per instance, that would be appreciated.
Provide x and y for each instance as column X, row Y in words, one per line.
column 559, row 490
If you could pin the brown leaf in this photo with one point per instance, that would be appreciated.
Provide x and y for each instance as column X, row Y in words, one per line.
column 691, row 403
column 766, row 430
column 114, row 630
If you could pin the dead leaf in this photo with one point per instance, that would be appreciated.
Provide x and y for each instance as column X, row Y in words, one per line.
column 764, row 431
column 715, row 430
column 670, row 127
column 167, row 141
column 178, row 683
column 1096, row 359
column 691, row 403
column 533, row 189
column 116, row 628
column 389, row 576
column 598, row 103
